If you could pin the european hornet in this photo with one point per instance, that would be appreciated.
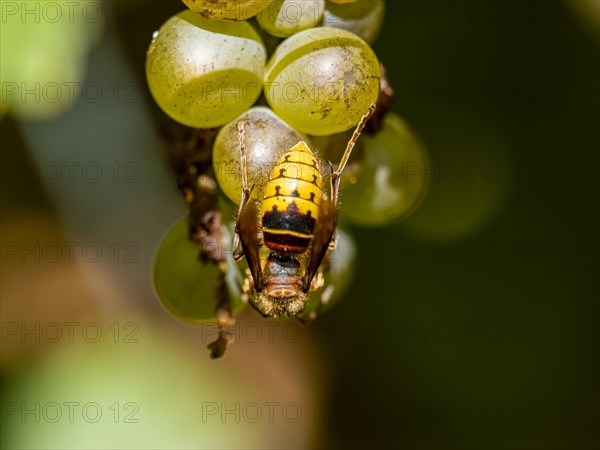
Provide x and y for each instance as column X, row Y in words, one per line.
column 286, row 230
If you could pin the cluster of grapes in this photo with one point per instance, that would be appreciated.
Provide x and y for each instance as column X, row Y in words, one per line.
column 291, row 70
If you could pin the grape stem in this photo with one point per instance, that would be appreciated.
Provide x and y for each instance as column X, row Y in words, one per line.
column 190, row 153
column 224, row 316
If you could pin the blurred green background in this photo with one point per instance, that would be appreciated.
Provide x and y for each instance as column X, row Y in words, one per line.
column 472, row 324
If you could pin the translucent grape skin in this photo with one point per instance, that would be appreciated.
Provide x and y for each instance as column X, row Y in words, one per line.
column 322, row 81
column 231, row 10
column 186, row 286
column 331, row 148
column 204, row 73
column 363, row 17
column 391, row 183
column 285, row 17
column 339, row 268
column 267, row 137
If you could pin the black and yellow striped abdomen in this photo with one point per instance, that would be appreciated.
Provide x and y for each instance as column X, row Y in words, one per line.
column 291, row 201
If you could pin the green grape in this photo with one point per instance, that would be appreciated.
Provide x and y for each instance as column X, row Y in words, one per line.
column 363, row 17
column 391, row 182
column 286, row 17
column 234, row 10
column 204, row 73
column 322, row 81
column 267, row 137
column 331, row 148
column 186, row 286
column 339, row 269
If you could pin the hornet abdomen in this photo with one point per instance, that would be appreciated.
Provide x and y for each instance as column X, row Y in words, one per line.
column 291, row 201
